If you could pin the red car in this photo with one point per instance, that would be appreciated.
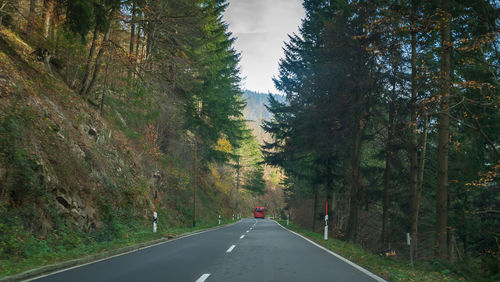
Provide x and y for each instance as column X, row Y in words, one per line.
column 258, row 212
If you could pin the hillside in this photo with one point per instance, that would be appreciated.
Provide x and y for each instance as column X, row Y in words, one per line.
column 256, row 112
column 65, row 163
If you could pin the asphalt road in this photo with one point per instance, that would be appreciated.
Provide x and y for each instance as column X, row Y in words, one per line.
column 250, row 250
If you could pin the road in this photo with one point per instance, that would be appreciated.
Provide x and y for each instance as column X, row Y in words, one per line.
column 250, row 250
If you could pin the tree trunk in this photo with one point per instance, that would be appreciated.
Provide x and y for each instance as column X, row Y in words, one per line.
column 98, row 61
column 195, row 178
column 53, row 31
column 132, row 41
column 90, row 62
column 387, row 176
column 237, row 183
column 465, row 226
column 31, row 17
column 330, row 195
column 47, row 16
column 412, row 142
column 132, row 29
column 137, row 45
column 441, row 247
column 332, row 221
column 138, row 36
column 355, row 184
column 420, row 182
column 315, row 206
column 150, row 41
column 2, row 13
column 105, row 86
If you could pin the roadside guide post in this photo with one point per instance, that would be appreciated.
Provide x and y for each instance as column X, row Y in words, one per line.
column 155, row 215
column 219, row 219
column 288, row 218
column 233, row 216
column 408, row 242
column 326, row 221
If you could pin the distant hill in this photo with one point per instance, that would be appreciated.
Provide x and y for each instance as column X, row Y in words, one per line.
column 255, row 111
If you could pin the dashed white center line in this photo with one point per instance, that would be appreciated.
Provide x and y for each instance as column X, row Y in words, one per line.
column 242, row 236
column 203, row 277
column 230, row 249
column 248, row 231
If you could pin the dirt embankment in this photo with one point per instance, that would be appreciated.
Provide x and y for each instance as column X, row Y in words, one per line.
column 61, row 163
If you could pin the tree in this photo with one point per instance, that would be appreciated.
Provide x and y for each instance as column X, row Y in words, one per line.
column 444, row 135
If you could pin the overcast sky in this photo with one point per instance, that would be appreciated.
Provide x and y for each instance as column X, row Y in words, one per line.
column 261, row 27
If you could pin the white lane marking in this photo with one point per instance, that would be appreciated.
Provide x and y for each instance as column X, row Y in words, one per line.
column 203, row 277
column 132, row 251
column 377, row 278
column 230, row 249
column 248, row 231
column 242, row 236
column 251, row 228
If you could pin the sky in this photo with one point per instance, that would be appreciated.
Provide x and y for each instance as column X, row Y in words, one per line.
column 261, row 27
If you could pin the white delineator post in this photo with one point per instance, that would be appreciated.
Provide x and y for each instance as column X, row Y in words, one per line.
column 287, row 219
column 155, row 215
column 155, row 222
column 219, row 219
column 326, row 222
column 408, row 242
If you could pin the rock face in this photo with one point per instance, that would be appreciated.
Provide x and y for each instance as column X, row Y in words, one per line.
column 71, row 205
column 59, row 162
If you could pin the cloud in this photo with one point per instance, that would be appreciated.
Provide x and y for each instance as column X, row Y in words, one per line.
column 261, row 27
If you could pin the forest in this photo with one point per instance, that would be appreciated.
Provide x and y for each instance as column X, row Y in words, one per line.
column 392, row 117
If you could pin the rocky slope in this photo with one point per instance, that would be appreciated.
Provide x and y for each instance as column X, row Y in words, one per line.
column 67, row 169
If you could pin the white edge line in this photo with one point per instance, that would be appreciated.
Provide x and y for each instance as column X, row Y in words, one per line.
column 242, row 236
column 360, row 268
column 126, row 253
column 230, row 249
column 203, row 277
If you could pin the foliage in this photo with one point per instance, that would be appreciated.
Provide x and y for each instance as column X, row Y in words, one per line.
column 362, row 84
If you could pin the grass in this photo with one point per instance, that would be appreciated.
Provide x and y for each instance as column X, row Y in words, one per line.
column 388, row 268
column 43, row 255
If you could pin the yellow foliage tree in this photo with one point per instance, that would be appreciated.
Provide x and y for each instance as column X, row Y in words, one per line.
column 223, row 145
